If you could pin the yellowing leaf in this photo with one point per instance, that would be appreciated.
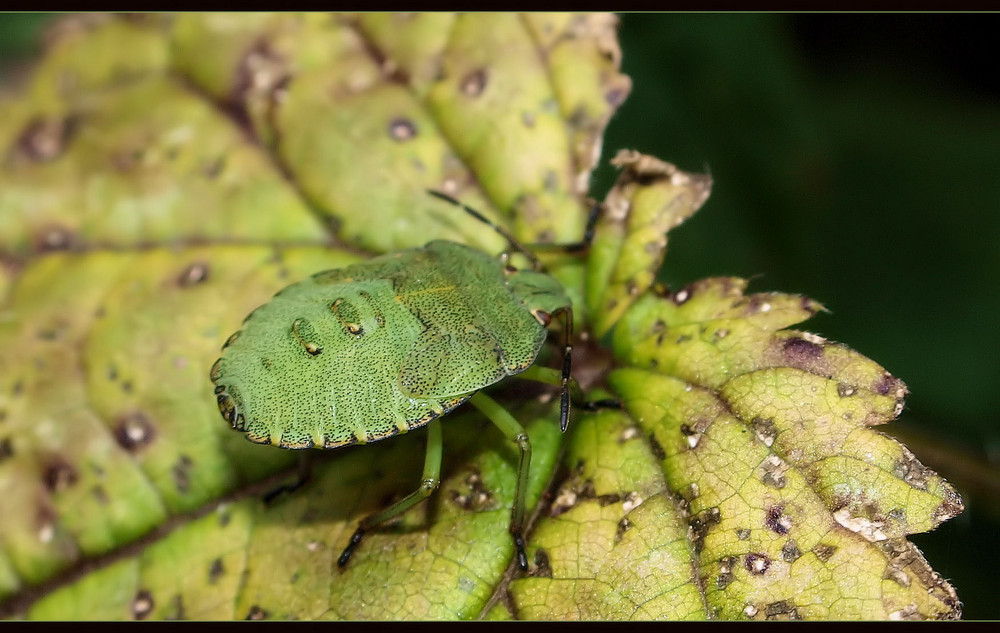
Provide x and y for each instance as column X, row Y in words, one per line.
column 166, row 175
column 797, row 507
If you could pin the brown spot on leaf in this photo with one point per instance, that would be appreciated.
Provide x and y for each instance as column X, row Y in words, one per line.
column 59, row 475
column 725, row 572
column 262, row 72
column 757, row 563
column 657, row 448
column 824, row 552
column 701, row 524
column 776, row 520
column 45, row 519
column 898, row 576
column 256, row 613
column 54, row 238
column 134, row 431
column 572, row 492
column 694, row 430
column 45, row 139
column 774, row 469
column 781, row 610
column 193, row 273
column 542, row 568
column 623, row 526
column 889, row 384
column 474, row 83
column 215, row 571
column 765, row 430
column 6, row 448
column 606, row 500
column 142, row 604
column 473, row 496
column 402, row 129
column 743, row 534
column 799, row 352
column 790, row 552
column 693, row 491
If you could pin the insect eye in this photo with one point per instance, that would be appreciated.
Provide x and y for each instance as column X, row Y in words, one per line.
column 543, row 317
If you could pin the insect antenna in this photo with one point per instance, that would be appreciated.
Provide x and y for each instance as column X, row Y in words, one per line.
column 515, row 244
column 566, row 368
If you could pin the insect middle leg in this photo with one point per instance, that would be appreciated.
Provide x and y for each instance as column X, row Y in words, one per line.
column 513, row 431
column 430, row 482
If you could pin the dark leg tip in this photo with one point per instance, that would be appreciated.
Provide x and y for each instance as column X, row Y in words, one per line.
column 522, row 556
column 346, row 554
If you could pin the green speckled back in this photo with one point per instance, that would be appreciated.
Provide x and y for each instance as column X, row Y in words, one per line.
column 362, row 353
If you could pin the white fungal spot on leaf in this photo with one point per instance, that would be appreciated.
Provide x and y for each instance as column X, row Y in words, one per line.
column 869, row 530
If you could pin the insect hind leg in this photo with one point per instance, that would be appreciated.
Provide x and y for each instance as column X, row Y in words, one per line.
column 513, row 431
column 429, row 483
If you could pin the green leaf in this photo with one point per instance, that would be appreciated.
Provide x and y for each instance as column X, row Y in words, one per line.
column 650, row 198
column 166, row 175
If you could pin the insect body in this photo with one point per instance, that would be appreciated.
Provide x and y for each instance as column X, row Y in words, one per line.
column 362, row 353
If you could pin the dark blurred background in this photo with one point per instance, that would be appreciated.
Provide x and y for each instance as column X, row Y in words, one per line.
column 855, row 160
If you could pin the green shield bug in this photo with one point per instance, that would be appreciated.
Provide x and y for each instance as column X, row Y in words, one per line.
column 382, row 347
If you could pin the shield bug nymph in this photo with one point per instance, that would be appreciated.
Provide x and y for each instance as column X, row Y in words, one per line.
column 382, row 347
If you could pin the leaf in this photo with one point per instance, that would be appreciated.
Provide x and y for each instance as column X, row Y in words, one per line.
column 165, row 175
column 763, row 433
column 650, row 198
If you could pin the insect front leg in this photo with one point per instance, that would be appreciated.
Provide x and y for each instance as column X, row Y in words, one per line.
column 429, row 483
column 513, row 431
